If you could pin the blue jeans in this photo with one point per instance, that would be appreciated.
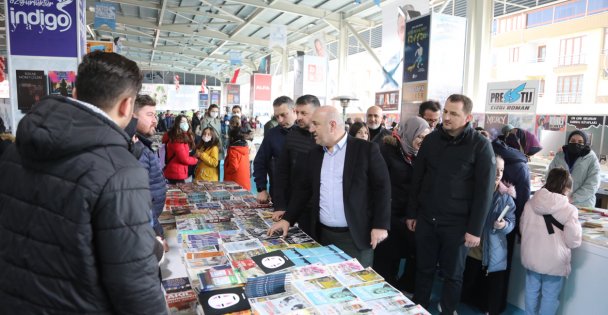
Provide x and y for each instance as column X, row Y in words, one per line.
column 542, row 293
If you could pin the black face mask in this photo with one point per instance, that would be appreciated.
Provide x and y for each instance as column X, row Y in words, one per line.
column 575, row 148
column 131, row 128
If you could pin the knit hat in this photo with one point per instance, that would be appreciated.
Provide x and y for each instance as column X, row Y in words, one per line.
column 580, row 133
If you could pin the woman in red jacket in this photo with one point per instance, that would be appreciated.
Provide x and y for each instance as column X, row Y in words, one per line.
column 236, row 164
column 179, row 142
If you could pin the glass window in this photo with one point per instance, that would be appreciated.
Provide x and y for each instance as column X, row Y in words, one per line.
column 541, row 88
column 541, row 54
column 569, row 89
column 570, row 10
column 597, row 6
column 571, row 51
column 514, row 54
column 539, row 18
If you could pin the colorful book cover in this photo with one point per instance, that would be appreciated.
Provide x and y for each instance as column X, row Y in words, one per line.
column 219, row 277
column 309, row 272
column 248, row 268
column 176, row 284
column 267, row 285
column 248, row 254
column 345, row 267
column 334, row 258
column 279, row 304
column 242, row 246
column 223, row 301
column 183, row 302
column 325, row 250
column 322, row 283
column 61, row 82
column 367, row 275
column 374, row 291
column 31, row 88
column 346, row 308
column 273, row 261
column 330, row 296
column 299, row 262
column 392, row 304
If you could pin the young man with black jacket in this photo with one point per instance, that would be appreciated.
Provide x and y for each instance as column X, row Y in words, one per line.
column 75, row 218
column 291, row 165
column 449, row 200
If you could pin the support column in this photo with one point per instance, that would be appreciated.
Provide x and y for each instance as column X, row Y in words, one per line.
column 285, row 69
column 342, row 55
column 477, row 53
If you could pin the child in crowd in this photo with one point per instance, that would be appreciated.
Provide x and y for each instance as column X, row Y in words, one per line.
column 549, row 229
column 236, row 164
column 484, row 278
column 359, row 130
column 207, row 152
column 179, row 141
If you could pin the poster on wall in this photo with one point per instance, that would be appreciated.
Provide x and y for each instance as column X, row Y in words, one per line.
column 592, row 126
column 318, row 45
column 158, row 92
column 512, row 97
column 6, row 114
column 233, row 94
column 61, row 82
column 186, row 97
column 551, row 132
column 604, row 150
column 416, row 51
column 260, row 87
column 493, row 124
column 31, row 87
column 215, row 96
column 51, row 24
column 394, row 16
column 478, row 120
column 100, row 45
column 315, row 80
column 522, row 121
column 388, row 101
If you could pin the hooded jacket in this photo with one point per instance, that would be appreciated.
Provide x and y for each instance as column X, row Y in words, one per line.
column 547, row 253
column 494, row 249
column 178, row 159
column 516, row 173
column 236, row 165
column 75, row 234
column 585, row 177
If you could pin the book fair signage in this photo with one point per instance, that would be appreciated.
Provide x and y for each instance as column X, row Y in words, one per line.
column 42, row 27
column 512, row 97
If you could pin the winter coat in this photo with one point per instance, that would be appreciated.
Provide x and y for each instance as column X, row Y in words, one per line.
column 216, row 124
column 158, row 185
column 266, row 156
column 400, row 169
column 75, row 234
column 452, row 180
column 517, row 173
column 178, row 159
column 494, row 241
column 236, row 166
column 547, row 253
column 585, row 177
column 206, row 169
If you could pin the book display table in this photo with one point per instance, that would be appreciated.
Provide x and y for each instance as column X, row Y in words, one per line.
column 585, row 289
column 222, row 262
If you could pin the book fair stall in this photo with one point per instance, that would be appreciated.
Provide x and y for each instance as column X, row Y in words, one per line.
column 221, row 261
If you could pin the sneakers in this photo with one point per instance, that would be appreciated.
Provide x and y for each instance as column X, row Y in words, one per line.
column 439, row 308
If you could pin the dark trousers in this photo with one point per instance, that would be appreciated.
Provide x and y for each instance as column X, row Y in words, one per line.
column 345, row 242
column 443, row 245
column 388, row 255
column 175, row 181
column 482, row 289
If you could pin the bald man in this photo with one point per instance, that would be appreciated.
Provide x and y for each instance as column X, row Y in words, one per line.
column 374, row 123
column 348, row 183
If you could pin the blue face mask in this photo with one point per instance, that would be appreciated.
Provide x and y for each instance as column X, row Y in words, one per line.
column 184, row 126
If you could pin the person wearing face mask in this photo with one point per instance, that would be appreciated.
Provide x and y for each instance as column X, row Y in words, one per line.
column 212, row 120
column 582, row 164
column 207, row 152
column 179, row 141
column 399, row 151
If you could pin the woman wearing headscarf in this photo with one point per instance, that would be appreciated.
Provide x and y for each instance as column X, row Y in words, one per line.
column 524, row 141
column 399, row 151
column 582, row 163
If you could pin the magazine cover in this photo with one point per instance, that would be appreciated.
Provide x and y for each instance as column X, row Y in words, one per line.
column 394, row 303
column 346, row 308
column 367, row 275
column 273, row 261
column 223, row 301
column 278, row 304
column 345, row 267
column 325, row 250
column 31, row 87
column 309, row 272
column 374, row 291
column 322, row 283
column 61, row 82
column 176, row 285
column 330, row 296
column 241, row 246
column 334, row 258
column 219, row 277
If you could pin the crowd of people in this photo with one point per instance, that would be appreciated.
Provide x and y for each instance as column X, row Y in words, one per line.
column 82, row 189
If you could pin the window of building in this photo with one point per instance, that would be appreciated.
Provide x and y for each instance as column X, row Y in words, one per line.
column 541, row 53
column 569, row 89
column 514, row 55
column 541, row 88
column 597, row 6
column 571, row 51
column 540, row 17
column 570, row 10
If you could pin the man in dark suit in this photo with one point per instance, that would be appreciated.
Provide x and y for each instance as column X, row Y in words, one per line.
column 348, row 182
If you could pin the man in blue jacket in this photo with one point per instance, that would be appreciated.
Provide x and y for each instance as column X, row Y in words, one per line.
column 272, row 146
column 145, row 107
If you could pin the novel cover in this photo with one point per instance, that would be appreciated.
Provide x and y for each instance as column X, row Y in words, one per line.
column 273, row 261
column 223, row 301
column 61, row 82
column 31, row 87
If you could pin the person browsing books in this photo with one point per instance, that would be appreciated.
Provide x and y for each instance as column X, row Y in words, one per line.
column 348, row 182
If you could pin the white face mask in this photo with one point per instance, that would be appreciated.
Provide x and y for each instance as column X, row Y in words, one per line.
column 184, row 126
column 207, row 138
column 237, row 114
column 213, row 114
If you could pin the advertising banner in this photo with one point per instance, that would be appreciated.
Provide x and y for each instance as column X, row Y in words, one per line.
column 494, row 123
column 233, row 94
column 43, row 28
column 551, row 132
column 388, row 101
column 414, row 92
column 215, row 96
column 61, row 82
column 416, row 53
column 394, row 16
column 100, row 45
column 260, row 87
column 512, row 97
column 105, row 14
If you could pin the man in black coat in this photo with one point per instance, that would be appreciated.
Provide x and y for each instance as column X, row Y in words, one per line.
column 291, row 164
column 450, row 197
column 75, row 233
column 348, row 182
column 377, row 132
